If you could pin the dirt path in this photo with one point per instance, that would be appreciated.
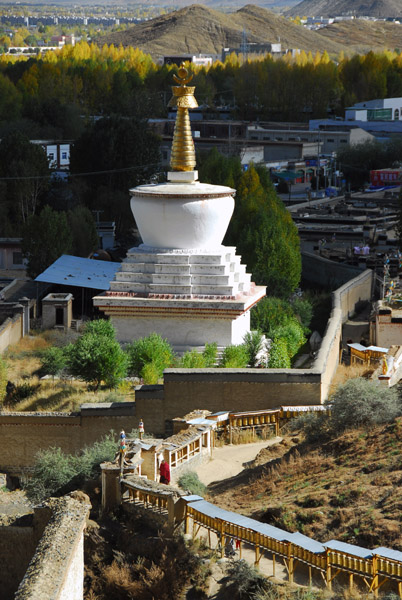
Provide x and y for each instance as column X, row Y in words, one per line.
column 229, row 461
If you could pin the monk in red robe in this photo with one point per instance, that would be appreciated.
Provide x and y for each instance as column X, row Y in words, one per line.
column 164, row 471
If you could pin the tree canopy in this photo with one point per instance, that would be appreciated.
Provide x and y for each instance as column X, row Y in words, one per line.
column 261, row 227
column 45, row 238
column 114, row 154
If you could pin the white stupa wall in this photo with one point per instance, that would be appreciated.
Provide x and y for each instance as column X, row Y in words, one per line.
column 184, row 333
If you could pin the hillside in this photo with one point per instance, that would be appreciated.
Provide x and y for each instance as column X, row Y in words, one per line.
column 358, row 8
column 198, row 29
column 347, row 488
column 380, row 33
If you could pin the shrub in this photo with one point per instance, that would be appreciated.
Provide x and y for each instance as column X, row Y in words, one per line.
column 192, row 360
column 244, row 581
column 315, row 426
column 53, row 361
column 54, row 470
column 190, row 482
column 210, row 354
column 278, row 355
column 152, row 349
column 254, row 343
column 304, row 310
column 361, row 402
column 101, row 327
column 234, row 357
column 292, row 333
column 270, row 313
column 150, row 373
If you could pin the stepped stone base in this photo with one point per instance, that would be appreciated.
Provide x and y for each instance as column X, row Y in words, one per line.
column 189, row 297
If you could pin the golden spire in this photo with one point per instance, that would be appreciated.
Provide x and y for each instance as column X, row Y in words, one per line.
column 183, row 152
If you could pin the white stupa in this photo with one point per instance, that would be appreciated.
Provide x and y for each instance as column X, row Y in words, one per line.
column 181, row 282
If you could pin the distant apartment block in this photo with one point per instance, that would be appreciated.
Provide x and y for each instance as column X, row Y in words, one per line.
column 385, row 109
column 58, row 153
column 329, row 141
column 381, row 117
column 202, row 60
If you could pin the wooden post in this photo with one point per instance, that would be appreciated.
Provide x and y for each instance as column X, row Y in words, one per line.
column 257, row 557
column 187, row 521
column 222, row 540
column 230, row 431
column 290, row 563
column 328, row 571
column 310, row 578
column 375, row 577
column 400, row 588
column 351, row 581
column 273, row 564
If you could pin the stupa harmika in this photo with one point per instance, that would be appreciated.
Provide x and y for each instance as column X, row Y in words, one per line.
column 181, row 282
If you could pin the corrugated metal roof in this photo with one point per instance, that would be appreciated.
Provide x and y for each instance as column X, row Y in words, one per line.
column 210, row 510
column 80, row 272
column 388, row 553
column 311, row 407
column 201, row 421
column 307, row 543
column 192, row 498
column 349, row 549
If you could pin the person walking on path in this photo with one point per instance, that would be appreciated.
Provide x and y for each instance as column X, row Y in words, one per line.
column 164, row 472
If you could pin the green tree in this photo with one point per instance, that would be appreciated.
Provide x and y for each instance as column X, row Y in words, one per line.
column 26, row 167
column 53, row 360
column 278, row 355
column 152, row 349
column 265, row 235
column 304, row 311
column 83, row 230
column 270, row 313
column 118, row 153
column 45, row 238
column 97, row 357
column 254, row 343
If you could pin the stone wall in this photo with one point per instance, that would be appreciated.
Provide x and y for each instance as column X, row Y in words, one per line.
column 70, row 432
column 57, row 568
column 185, row 390
column 326, row 273
column 17, row 546
column 10, row 332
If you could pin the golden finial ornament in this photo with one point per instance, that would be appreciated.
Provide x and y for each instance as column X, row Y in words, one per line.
column 183, row 152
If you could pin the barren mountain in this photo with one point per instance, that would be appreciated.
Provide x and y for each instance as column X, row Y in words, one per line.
column 198, row 29
column 336, row 8
column 365, row 35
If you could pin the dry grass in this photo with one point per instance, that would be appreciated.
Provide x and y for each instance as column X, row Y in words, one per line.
column 46, row 395
column 348, row 489
column 346, row 372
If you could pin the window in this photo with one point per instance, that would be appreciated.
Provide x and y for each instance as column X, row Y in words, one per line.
column 330, row 140
column 17, row 258
column 51, row 155
column 396, row 115
column 64, row 155
column 344, row 141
